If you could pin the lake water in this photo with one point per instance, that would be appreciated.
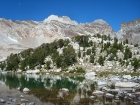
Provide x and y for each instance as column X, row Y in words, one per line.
column 52, row 90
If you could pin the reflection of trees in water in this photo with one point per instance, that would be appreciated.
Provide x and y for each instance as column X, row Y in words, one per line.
column 46, row 95
column 2, row 77
column 13, row 81
column 65, row 83
column 80, row 79
column 37, row 87
column 31, row 82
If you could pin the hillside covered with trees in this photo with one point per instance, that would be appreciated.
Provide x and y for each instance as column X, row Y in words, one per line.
column 98, row 52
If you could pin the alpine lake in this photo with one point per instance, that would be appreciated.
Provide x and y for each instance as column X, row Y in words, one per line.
column 53, row 89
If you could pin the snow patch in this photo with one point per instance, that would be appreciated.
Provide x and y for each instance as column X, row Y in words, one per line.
column 100, row 21
column 2, row 58
column 14, row 40
column 63, row 19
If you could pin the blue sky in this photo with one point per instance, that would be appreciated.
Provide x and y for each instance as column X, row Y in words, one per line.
column 112, row 11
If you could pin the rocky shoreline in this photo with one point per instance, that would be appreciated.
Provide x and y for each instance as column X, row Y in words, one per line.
column 16, row 97
column 117, row 88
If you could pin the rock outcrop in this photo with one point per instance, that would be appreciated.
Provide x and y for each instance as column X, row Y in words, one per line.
column 131, row 31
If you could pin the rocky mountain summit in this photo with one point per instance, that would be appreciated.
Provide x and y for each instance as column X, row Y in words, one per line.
column 19, row 35
column 130, row 31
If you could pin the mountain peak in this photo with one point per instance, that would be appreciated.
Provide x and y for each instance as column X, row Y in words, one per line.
column 62, row 19
column 100, row 21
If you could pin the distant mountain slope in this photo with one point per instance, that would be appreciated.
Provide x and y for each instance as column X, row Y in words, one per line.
column 32, row 33
column 130, row 31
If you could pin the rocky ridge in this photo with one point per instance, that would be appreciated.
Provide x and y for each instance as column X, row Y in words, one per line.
column 131, row 31
column 32, row 34
column 19, row 35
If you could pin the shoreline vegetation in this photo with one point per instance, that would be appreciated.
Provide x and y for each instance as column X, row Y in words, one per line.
column 102, row 73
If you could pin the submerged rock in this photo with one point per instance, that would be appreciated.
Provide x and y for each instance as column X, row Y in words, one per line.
column 31, row 103
column 2, row 101
column 10, row 99
column 24, row 100
column 21, row 96
column 23, row 104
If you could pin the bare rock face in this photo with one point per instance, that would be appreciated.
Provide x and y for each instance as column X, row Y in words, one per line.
column 17, row 35
column 96, row 27
column 27, row 33
column 130, row 31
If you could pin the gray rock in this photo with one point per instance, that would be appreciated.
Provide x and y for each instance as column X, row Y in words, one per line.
column 26, row 90
column 108, row 95
column 24, row 100
column 2, row 101
column 31, row 103
column 18, row 88
column 21, row 96
column 98, row 93
column 10, row 99
column 23, row 104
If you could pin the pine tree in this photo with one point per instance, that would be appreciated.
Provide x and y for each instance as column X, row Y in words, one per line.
column 92, row 58
column 79, row 53
column 101, row 60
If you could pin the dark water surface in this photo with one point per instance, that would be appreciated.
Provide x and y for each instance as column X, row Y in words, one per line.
column 48, row 90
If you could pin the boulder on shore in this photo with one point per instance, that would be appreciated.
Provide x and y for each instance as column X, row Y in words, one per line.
column 2, row 101
column 90, row 75
column 26, row 90
column 64, row 90
column 126, row 84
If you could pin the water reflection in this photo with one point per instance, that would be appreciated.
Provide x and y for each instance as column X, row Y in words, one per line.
column 51, row 88
column 47, row 87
